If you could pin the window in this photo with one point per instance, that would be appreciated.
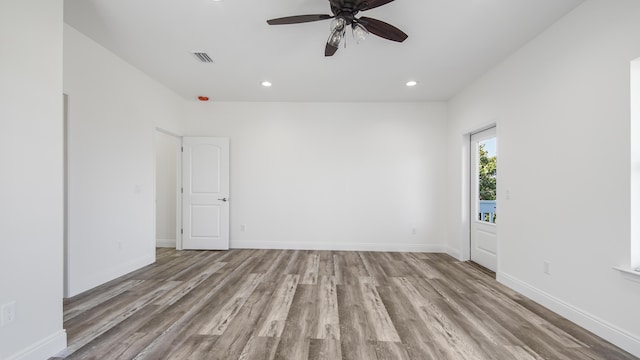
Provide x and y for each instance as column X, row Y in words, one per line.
column 486, row 172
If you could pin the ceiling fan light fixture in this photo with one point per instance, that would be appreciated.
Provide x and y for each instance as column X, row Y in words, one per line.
column 360, row 33
column 336, row 37
column 338, row 23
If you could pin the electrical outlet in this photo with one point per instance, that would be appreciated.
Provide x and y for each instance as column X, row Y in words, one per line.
column 8, row 313
column 243, row 227
column 547, row 267
column 414, row 231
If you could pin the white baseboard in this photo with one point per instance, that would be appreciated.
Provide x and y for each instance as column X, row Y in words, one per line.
column 43, row 349
column 166, row 243
column 432, row 248
column 605, row 330
column 109, row 274
column 454, row 253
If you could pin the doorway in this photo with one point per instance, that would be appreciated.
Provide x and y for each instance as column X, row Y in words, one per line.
column 167, row 188
column 483, row 181
column 205, row 198
column 192, row 192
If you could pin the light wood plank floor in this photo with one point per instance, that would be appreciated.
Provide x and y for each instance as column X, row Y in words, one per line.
column 272, row 304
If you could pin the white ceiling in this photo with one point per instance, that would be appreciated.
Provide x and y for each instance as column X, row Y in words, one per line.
column 451, row 43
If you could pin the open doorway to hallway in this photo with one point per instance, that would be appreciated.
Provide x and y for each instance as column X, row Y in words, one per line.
column 167, row 188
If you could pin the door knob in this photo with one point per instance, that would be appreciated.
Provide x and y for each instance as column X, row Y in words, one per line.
column 223, row 199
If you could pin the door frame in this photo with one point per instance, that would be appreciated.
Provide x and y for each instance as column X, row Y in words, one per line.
column 225, row 160
column 65, row 241
column 467, row 194
column 473, row 184
column 178, row 185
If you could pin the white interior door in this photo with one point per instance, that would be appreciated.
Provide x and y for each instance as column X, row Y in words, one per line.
column 205, row 198
column 484, row 240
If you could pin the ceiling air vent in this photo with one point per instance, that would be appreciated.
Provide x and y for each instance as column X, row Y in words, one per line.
column 203, row 57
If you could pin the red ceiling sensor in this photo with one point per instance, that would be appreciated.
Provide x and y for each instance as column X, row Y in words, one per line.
column 203, row 98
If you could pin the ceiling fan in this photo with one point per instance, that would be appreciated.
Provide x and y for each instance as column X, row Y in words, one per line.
column 344, row 14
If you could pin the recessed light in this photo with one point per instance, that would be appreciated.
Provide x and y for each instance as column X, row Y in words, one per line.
column 412, row 83
column 266, row 84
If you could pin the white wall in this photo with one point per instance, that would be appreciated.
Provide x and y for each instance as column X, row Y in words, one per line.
column 167, row 149
column 562, row 108
column 113, row 111
column 31, row 182
column 332, row 176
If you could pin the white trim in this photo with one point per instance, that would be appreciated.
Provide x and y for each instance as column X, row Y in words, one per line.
column 65, row 241
column 113, row 273
column 166, row 243
column 179, row 195
column 455, row 253
column 607, row 331
column 276, row 245
column 634, row 136
column 474, row 143
column 629, row 273
column 486, row 223
column 167, row 132
column 481, row 127
column 464, row 251
column 43, row 349
column 162, row 242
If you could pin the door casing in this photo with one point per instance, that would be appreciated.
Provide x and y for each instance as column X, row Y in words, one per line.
column 483, row 237
column 205, row 205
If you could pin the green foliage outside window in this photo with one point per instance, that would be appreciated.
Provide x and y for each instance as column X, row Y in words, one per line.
column 487, row 175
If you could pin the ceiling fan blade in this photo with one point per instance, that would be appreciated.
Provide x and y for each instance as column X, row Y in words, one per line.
column 298, row 19
column 371, row 4
column 383, row 29
column 330, row 50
